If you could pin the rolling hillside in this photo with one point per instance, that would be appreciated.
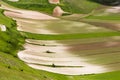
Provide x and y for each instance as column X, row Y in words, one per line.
column 89, row 38
column 14, row 69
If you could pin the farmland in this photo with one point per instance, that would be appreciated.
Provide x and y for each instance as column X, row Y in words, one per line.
column 58, row 49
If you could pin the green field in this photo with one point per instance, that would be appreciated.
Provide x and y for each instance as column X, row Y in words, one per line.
column 105, row 16
column 85, row 6
column 71, row 27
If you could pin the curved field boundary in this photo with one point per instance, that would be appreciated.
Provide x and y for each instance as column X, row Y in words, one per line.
column 68, row 36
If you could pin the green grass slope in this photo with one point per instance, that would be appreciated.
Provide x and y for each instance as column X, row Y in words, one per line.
column 10, row 40
column 80, row 6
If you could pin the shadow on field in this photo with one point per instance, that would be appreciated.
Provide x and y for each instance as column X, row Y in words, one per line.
column 107, row 2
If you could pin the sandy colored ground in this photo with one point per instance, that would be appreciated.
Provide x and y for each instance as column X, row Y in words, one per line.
column 109, row 25
column 93, row 46
column 116, row 37
column 56, row 51
column 71, row 71
column 20, row 13
column 28, row 20
column 28, row 14
column 36, row 57
column 76, row 45
column 33, row 26
column 44, row 43
column 114, row 9
column 13, row 0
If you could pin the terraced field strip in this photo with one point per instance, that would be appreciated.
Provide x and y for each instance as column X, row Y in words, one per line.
column 56, row 26
column 64, row 62
column 105, row 16
column 73, row 41
column 100, row 56
column 69, row 36
column 20, row 13
column 70, row 27
column 113, row 25
column 107, row 56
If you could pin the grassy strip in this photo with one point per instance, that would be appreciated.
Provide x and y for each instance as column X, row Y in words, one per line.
column 68, row 36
